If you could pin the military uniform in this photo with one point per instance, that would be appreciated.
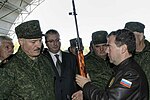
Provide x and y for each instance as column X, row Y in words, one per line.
column 98, row 69
column 23, row 78
column 26, row 79
column 129, row 81
column 143, row 59
column 2, row 63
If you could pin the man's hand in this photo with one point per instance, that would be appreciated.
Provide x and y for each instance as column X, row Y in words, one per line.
column 81, row 81
column 77, row 95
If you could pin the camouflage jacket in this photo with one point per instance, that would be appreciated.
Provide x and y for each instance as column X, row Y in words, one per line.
column 143, row 59
column 3, row 62
column 26, row 79
column 98, row 69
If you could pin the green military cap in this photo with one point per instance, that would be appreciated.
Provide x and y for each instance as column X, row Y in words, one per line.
column 99, row 37
column 29, row 30
column 74, row 42
column 135, row 26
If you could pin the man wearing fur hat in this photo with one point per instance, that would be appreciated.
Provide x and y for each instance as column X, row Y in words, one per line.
column 129, row 81
column 97, row 63
column 142, row 55
column 28, row 74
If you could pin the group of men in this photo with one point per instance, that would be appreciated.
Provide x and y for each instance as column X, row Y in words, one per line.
column 36, row 74
column 125, row 48
column 117, row 66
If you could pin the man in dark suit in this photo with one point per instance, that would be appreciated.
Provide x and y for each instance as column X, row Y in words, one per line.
column 64, row 66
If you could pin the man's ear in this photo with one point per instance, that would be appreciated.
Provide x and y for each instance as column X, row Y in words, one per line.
column 20, row 40
column 123, row 48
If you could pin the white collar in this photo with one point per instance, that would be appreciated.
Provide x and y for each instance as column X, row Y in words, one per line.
column 58, row 53
column 53, row 55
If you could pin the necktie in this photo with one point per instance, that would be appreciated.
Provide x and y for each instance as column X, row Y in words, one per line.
column 58, row 64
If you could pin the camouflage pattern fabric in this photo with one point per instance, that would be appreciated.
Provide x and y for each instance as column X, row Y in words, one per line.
column 143, row 59
column 29, row 30
column 98, row 69
column 99, row 37
column 135, row 26
column 5, row 61
column 26, row 79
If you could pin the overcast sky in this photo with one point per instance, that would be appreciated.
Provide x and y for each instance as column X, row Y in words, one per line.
column 92, row 15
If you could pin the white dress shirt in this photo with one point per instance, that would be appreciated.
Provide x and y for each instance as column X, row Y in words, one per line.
column 54, row 58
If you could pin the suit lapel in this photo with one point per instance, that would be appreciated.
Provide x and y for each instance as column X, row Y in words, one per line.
column 64, row 62
column 47, row 54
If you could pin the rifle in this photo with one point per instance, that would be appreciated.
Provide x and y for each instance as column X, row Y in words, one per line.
column 80, row 56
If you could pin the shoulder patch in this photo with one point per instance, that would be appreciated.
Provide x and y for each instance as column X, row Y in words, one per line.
column 125, row 83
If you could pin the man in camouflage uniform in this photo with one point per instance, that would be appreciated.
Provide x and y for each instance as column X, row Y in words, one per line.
column 28, row 74
column 97, row 64
column 142, row 55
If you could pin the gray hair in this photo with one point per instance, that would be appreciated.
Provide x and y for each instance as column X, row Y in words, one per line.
column 2, row 38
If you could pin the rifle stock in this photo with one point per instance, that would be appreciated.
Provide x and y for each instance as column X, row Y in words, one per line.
column 81, row 64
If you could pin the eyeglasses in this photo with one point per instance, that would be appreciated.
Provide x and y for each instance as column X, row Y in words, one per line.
column 53, row 41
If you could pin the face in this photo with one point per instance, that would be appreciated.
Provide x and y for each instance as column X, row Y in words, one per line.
column 139, row 37
column 6, row 49
column 100, row 49
column 31, row 47
column 113, row 51
column 53, row 42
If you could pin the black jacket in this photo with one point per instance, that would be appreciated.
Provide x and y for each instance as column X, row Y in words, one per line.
column 128, row 83
column 65, row 84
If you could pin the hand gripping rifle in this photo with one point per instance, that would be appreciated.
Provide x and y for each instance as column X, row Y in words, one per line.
column 79, row 48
